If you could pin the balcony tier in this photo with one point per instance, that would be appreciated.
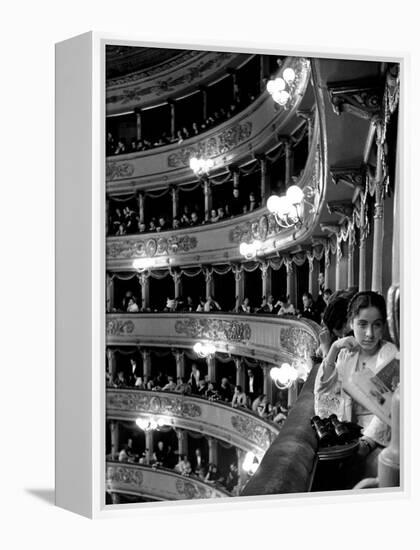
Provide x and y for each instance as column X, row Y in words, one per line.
column 253, row 130
column 239, row 427
column 267, row 338
column 157, row 483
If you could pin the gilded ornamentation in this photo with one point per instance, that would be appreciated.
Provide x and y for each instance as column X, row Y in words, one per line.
column 216, row 145
column 174, row 81
column 214, row 329
column 261, row 228
column 138, row 401
column 122, row 474
column 117, row 170
column 133, row 248
column 252, row 430
column 362, row 101
column 297, row 341
column 118, row 326
column 190, row 490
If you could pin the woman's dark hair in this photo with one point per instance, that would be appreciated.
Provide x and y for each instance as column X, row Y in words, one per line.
column 365, row 299
column 335, row 314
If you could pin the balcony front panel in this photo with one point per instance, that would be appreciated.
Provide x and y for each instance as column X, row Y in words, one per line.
column 267, row 338
column 253, row 130
column 177, row 76
column 157, row 484
column 238, row 427
column 219, row 242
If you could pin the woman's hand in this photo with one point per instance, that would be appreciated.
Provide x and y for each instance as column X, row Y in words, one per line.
column 349, row 342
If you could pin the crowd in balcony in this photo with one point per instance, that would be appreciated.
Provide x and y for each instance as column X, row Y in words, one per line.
column 188, row 465
column 126, row 221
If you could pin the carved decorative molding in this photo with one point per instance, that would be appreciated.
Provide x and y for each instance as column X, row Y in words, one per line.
column 214, row 329
column 252, row 430
column 341, row 208
column 260, row 228
column 189, row 490
column 119, row 326
column 126, row 475
column 119, row 170
column 352, row 177
column 360, row 99
column 297, row 341
column 152, row 404
column 176, row 80
column 213, row 146
column 160, row 246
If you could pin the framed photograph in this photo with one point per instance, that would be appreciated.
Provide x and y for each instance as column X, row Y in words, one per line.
column 228, row 274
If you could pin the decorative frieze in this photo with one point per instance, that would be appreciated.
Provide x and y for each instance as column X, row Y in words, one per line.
column 252, row 430
column 118, row 170
column 214, row 329
column 119, row 326
column 126, row 475
column 261, row 228
column 133, row 248
column 189, row 490
column 297, row 341
column 213, row 146
column 151, row 404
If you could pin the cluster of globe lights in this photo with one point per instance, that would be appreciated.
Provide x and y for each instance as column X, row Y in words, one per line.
column 204, row 349
column 277, row 87
column 286, row 208
column 201, row 166
column 284, row 376
column 150, row 424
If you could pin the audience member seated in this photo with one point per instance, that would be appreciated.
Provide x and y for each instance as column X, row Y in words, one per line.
column 211, row 305
column 286, row 307
column 267, row 305
column 213, row 216
column 194, row 378
column 152, row 225
column 182, row 386
column 232, row 477
column 176, row 224
column 225, row 390
column 221, row 213
column 194, row 219
column 132, row 306
column 202, row 388
column 163, row 226
column 139, row 383
column 160, row 454
column 170, row 386
column 213, row 476
column 235, row 204
column 121, row 147
column 265, row 409
column 239, row 398
column 211, row 393
column 327, row 296
column 120, row 381
column 201, row 304
column 309, row 309
column 189, row 305
column 245, row 306
column 197, row 461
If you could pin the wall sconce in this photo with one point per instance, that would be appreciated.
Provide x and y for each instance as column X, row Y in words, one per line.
column 250, row 250
column 142, row 264
column 150, row 424
column 200, row 166
column 250, row 463
column 288, row 208
column 280, row 88
column 204, row 349
column 284, row 376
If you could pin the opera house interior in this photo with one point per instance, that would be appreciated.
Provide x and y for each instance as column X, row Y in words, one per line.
column 252, row 274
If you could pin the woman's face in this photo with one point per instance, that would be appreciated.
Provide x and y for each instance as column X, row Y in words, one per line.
column 368, row 328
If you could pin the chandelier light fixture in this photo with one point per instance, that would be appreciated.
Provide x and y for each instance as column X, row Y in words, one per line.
column 288, row 209
column 204, row 349
column 281, row 87
column 201, row 166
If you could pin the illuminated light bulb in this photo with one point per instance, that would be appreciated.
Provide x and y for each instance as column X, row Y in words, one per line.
column 279, row 84
column 142, row 263
column 197, row 347
column 161, row 422
column 243, row 249
column 289, row 75
column 273, row 203
column 284, row 206
column 294, row 194
column 277, row 97
column 282, row 97
column 141, row 423
column 270, row 87
column 194, row 163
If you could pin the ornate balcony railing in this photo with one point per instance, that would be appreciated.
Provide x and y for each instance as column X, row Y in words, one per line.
column 264, row 337
column 157, row 483
column 255, row 129
column 239, row 427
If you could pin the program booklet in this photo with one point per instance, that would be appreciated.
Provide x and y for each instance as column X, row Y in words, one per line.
column 374, row 388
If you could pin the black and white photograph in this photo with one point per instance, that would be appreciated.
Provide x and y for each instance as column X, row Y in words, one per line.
column 252, row 280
